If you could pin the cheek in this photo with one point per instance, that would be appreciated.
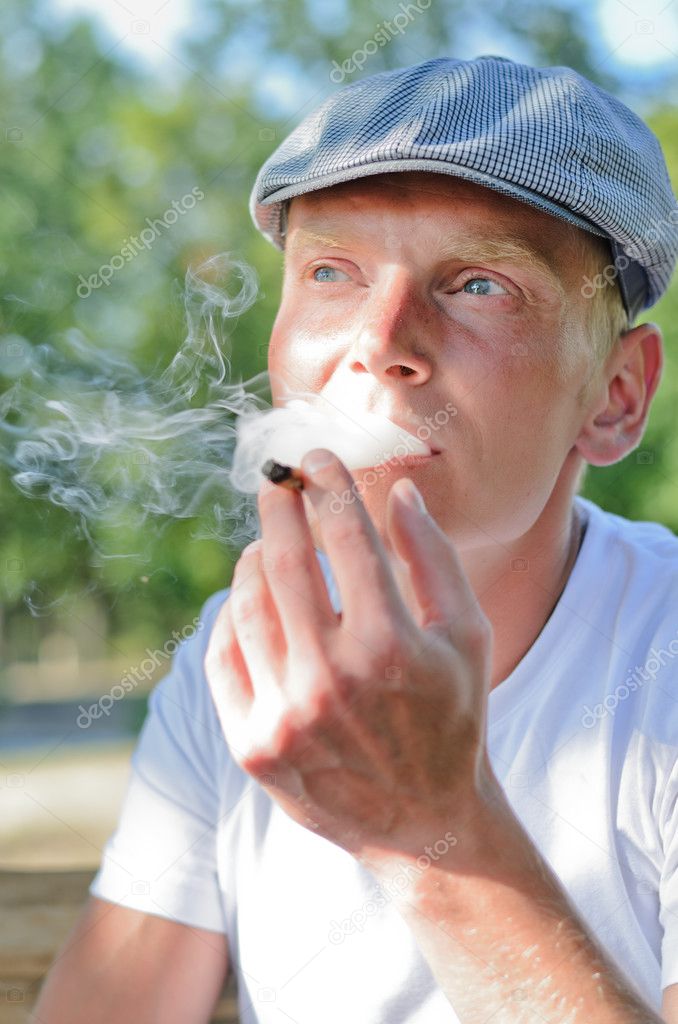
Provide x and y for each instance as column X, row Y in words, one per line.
column 539, row 370
column 298, row 359
column 285, row 350
column 560, row 358
column 521, row 416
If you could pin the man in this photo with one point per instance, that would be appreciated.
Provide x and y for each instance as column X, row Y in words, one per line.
column 421, row 765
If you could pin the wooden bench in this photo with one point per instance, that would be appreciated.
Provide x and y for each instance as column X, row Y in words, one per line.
column 37, row 910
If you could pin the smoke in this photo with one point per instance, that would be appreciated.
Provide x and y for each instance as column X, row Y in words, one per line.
column 360, row 439
column 83, row 428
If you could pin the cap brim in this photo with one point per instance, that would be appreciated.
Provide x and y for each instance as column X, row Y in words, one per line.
column 438, row 167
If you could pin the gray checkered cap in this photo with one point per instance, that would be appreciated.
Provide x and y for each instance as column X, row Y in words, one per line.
column 546, row 136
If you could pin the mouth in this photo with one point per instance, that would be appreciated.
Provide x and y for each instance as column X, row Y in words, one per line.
column 411, row 428
column 407, row 459
column 410, row 460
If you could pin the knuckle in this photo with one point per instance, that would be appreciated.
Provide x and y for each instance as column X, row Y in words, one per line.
column 218, row 657
column 313, row 697
column 259, row 763
column 388, row 654
column 348, row 530
column 386, row 640
column 246, row 604
column 382, row 649
column 315, row 707
column 290, row 560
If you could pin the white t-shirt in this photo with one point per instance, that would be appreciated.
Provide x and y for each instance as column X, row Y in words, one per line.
column 583, row 736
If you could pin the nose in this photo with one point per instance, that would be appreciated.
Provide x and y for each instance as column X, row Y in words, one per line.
column 391, row 324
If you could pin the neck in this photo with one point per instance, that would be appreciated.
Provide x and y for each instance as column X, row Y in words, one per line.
column 518, row 588
column 519, row 602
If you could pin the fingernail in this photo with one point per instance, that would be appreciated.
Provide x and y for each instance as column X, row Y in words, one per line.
column 410, row 495
column 317, row 459
column 252, row 547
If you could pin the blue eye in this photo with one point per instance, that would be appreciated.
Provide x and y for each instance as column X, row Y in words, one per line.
column 481, row 286
column 326, row 271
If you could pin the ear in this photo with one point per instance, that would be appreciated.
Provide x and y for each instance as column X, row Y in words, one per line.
column 629, row 379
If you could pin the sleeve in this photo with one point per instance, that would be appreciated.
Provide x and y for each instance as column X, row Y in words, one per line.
column 668, row 885
column 162, row 857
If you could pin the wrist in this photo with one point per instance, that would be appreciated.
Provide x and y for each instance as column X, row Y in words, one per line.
column 460, row 843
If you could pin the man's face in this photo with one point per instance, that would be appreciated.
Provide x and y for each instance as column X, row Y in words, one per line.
column 429, row 272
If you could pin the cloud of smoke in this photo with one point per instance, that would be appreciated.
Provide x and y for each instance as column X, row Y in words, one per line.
column 82, row 427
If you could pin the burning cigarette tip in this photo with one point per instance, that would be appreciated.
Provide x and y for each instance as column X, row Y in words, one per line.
column 284, row 476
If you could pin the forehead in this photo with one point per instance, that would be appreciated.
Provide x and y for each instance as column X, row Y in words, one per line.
column 437, row 211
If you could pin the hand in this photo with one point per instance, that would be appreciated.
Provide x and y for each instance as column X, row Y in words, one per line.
column 369, row 727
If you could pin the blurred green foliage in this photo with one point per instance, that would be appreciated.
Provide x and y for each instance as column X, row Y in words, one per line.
column 92, row 144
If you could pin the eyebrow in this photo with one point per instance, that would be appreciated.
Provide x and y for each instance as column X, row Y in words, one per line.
column 303, row 237
column 468, row 249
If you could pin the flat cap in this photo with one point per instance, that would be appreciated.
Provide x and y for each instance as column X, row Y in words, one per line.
column 546, row 136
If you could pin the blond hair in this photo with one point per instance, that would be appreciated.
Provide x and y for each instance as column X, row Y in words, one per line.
column 606, row 316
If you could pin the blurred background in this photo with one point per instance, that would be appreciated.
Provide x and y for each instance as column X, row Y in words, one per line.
column 112, row 111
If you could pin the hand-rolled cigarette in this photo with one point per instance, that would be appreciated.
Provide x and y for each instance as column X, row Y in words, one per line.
column 286, row 476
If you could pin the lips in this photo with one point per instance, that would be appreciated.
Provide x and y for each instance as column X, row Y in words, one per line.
column 408, row 460
column 412, row 428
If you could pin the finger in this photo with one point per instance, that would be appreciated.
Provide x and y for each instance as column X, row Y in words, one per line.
column 440, row 586
column 369, row 593
column 294, row 577
column 229, row 681
column 258, row 631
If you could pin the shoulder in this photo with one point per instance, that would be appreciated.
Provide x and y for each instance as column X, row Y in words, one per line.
column 194, row 637
column 632, row 557
column 631, row 533
column 635, row 566
column 181, row 702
